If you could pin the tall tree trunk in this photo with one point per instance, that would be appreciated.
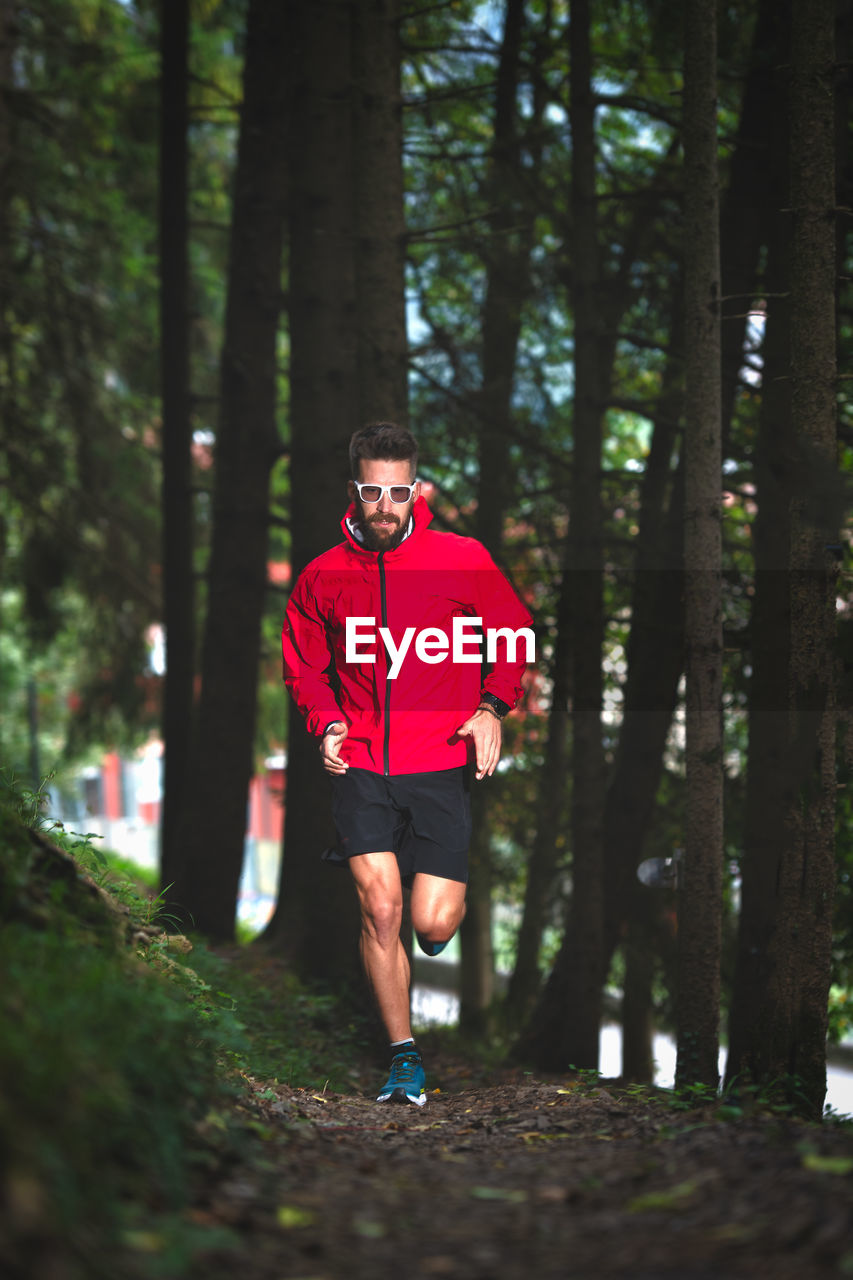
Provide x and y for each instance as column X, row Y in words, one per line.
column 564, row 1028
column 818, row 505
column 655, row 662
column 381, row 358
column 477, row 970
column 348, row 363
column 744, row 214
column 551, row 824
column 786, row 1048
column 700, row 909
column 770, row 635
column 316, row 922
column 214, row 814
column 637, row 994
column 507, row 286
column 177, row 536
column 583, row 944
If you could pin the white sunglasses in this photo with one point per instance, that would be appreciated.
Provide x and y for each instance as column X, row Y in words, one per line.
column 398, row 493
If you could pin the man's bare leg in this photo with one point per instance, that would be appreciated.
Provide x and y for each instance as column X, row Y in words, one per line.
column 438, row 908
column 380, row 892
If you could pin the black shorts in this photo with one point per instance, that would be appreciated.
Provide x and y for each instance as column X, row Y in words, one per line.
column 424, row 818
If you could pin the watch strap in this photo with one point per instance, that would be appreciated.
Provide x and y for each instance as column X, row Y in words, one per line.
column 497, row 705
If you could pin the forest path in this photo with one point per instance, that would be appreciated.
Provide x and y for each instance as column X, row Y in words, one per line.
column 528, row 1178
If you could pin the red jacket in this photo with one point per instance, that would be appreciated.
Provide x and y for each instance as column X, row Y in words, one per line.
column 402, row 709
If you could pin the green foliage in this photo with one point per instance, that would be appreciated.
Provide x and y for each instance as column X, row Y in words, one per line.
column 79, row 357
column 105, row 1069
column 292, row 1034
column 120, row 1050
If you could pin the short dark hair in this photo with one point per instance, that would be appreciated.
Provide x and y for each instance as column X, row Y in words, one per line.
column 385, row 441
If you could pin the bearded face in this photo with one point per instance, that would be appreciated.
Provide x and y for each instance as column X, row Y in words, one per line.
column 384, row 523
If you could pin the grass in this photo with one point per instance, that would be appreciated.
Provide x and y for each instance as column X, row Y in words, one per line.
column 121, row 1058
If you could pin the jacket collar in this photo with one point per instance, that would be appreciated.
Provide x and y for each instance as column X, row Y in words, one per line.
column 421, row 518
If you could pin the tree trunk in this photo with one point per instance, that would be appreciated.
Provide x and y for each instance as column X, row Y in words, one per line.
column 477, row 970
column 564, row 1028
column 507, row 286
column 786, row 1048
column 637, row 1003
column 214, row 814
column 315, row 921
column 348, row 361
column 178, row 579
column 745, row 207
column 382, row 369
column 817, row 508
column 700, row 908
column 655, row 661
column 770, row 638
column 583, row 943
column 551, row 825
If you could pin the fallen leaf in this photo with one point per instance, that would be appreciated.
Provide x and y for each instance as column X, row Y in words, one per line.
column 369, row 1228
column 828, row 1164
column 505, row 1194
column 671, row 1198
column 293, row 1215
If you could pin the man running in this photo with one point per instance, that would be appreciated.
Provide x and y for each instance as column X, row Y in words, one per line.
column 384, row 641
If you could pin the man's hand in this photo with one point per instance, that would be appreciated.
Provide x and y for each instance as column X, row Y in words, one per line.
column 330, row 748
column 485, row 729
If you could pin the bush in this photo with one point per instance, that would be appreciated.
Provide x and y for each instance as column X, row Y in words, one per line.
column 105, row 1068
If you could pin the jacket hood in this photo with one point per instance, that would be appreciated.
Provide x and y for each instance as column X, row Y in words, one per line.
column 422, row 518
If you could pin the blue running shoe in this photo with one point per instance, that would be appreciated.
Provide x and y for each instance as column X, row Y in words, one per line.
column 406, row 1081
column 430, row 948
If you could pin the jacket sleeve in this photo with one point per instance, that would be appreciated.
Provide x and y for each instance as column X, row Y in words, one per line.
column 510, row 624
column 307, row 657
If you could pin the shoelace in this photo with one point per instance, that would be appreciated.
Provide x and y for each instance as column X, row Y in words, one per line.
column 403, row 1067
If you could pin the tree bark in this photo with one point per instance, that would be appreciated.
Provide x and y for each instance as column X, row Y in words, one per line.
column 382, row 367
column 786, row 945
column 564, row 1028
column 551, row 823
column 745, row 206
column 177, row 504
column 583, row 944
column 770, row 636
column 700, row 908
column 315, row 921
column 348, row 362
column 214, row 813
column 817, row 508
column 507, row 286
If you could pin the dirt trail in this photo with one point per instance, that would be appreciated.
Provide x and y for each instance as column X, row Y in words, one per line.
column 529, row 1178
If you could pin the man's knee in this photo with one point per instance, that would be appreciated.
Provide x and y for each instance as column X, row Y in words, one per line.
column 381, row 914
column 437, row 926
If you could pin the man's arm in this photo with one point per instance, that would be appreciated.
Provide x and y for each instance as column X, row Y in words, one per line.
column 307, row 659
column 511, row 623
column 333, row 738
column 485, row 729
column 500, row 608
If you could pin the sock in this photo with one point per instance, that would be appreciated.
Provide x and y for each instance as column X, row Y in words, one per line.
column 397, row 1045
column 430, row 948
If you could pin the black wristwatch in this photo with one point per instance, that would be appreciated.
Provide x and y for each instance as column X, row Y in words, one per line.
column 497, row 705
